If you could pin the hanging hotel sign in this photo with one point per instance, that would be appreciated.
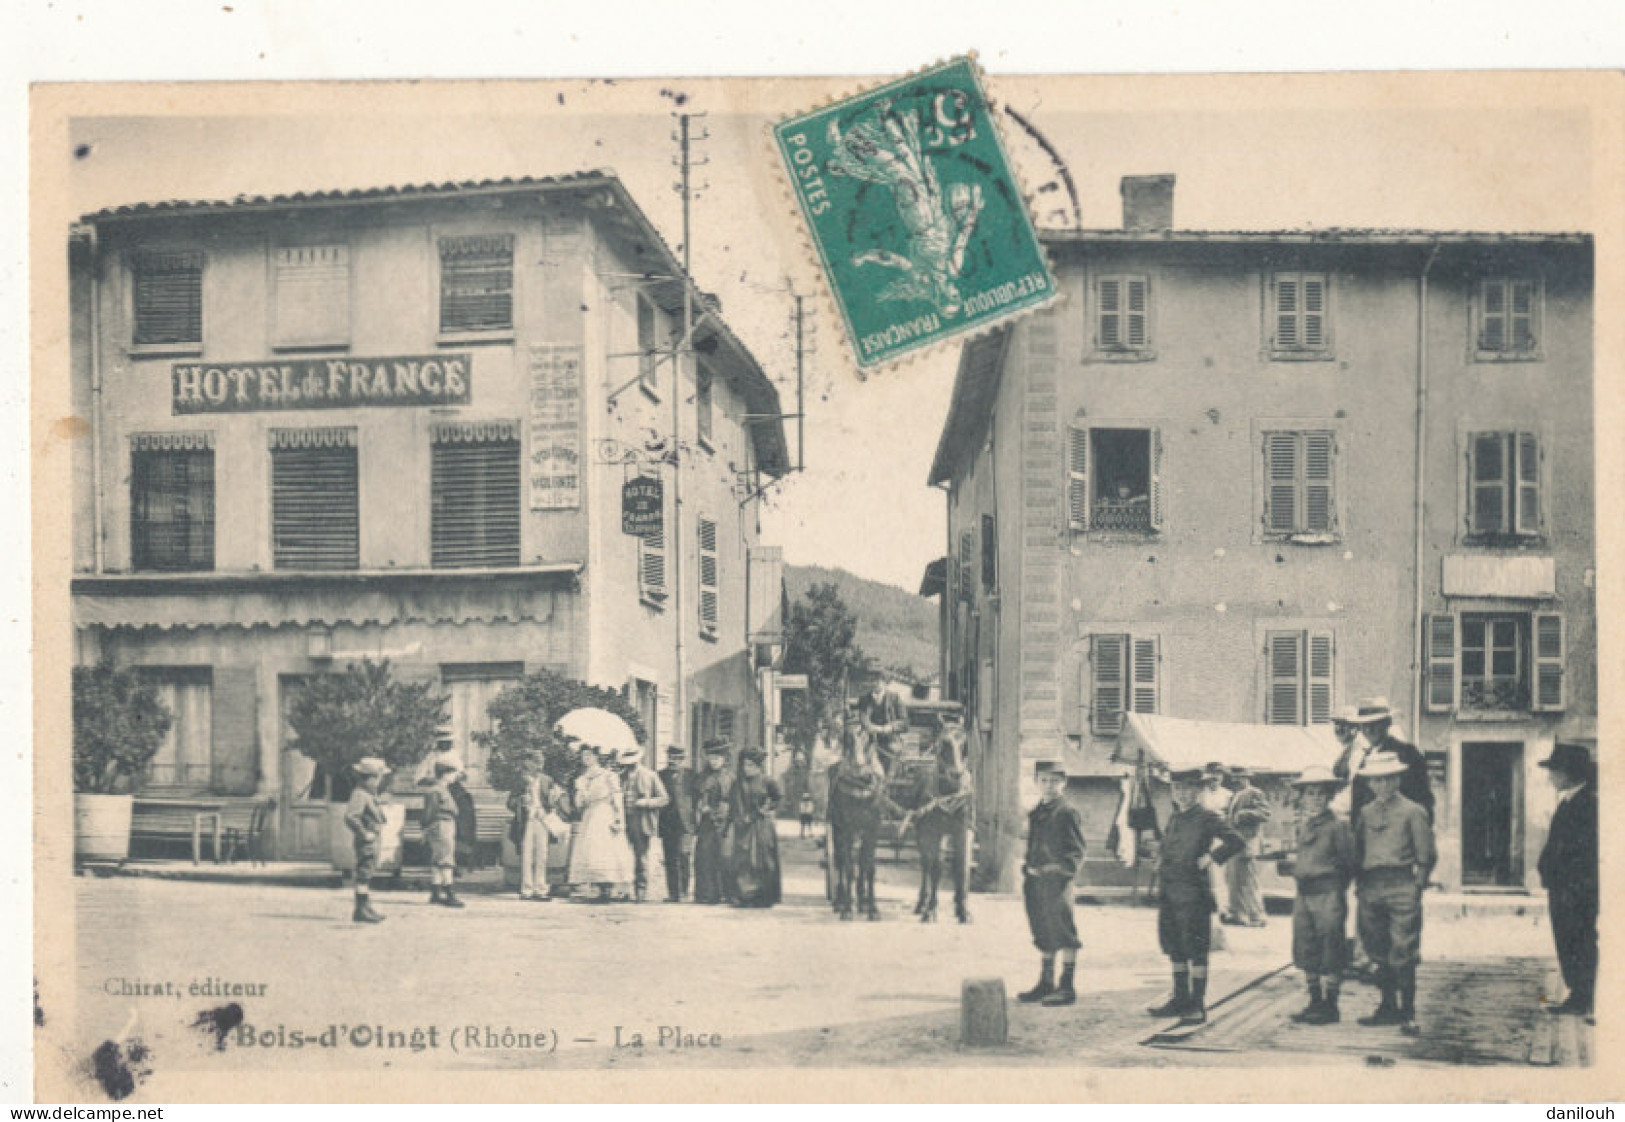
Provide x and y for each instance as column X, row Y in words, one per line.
column 642, row 506
column 321, row 383
column 555, row 427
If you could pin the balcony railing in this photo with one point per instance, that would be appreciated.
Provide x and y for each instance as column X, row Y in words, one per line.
column 1133, row 515
column 1495, row 695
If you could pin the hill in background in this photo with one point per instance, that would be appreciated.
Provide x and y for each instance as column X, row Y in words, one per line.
column 896, row 628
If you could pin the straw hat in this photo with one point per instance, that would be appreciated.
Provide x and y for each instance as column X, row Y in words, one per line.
column 1379, row 764
column 1316, row 776
column 370, row 765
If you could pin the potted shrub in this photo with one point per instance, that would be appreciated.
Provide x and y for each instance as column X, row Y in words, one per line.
column 522, row 719
column 118, row 725
column 364, row 710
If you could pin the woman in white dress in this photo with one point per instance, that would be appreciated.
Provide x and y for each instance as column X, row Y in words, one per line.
column 601, row 856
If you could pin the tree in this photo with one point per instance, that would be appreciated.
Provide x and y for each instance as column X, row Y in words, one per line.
column 364, row 710
column 522, row 719
column 119, row 723
column 820, row 641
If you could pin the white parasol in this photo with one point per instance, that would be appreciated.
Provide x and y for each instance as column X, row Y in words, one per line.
column 599, row 728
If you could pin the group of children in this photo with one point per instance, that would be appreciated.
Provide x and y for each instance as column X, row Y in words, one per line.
column 365, row 818
column 1387, row 851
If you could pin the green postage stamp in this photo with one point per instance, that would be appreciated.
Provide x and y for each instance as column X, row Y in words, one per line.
column 914, row 212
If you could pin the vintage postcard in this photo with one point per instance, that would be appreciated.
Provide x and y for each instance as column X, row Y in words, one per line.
column 509, row 628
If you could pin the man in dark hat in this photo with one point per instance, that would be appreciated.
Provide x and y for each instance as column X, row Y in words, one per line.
column 1054, row 854
column 882, row 716
column 677, row 822
column 1376, row 719
column 1568, row 871
column 1195, row 840
column 1395, row 854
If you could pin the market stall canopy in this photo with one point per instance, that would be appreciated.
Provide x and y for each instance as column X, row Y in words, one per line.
column 1176, row 743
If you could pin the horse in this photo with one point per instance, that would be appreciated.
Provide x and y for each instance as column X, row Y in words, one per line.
column 857, row 797
column 942, row 811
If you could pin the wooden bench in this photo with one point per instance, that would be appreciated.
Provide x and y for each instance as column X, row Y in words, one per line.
column 232, row 823
column 491, row 816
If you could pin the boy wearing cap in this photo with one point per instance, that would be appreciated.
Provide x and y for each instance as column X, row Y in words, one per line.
column 1323, row 865
column 1568, row 872
column 440, row 828
column 365, row 819
column 1395, row 852
column 1195, row 840
column 1054, row 853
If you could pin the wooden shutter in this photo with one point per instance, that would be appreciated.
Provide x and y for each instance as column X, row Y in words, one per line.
column 172, row 510
column 1286, row 311
column 990, row 554
column 1492, row 332
column 1549, row 692
column 1077, row 478
column 1443, row 635
column 707, row 535
column 1489, row 480
column 1528, row 514
column 1156, row 479
column 234, row 763
column 1313, row 333
column 1146, row 675
column 1136, row 299
column 476, row 283
column 725, row 722
column 703, row 405
column 1110, row 320
column 1108, row 657
column 1321, row 665
column 1283, row 677
column 967, row 562
column 474, row 486
column 652, row 564
column 1319, row 498
column 315, row 520
column 648, row 343
column 1281, row 482
column 311, row 284
column 1521, row 309
column 168, row 298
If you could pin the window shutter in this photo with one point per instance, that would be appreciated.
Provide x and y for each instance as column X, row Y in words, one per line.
column 703, row 403
column 1528, row 513
column 1319, row 509
column 1550, row 694
column 315, row 522
column 1443, row 641
column 1521, row 316
column 474, row 520
column 1314, row 312
column 1077, row 477
column 172, row 510
column 168, row 298
column 1134, row 291
column 990, row 555
column 652, row 564
column 1156, row 479
column 967, row 563
column 1111, row 313
column 476, row 283
column 1146, row 670
column 312, row 293
column 1321, row 664
column 1107, row 657
column 1283, row 677
column 648, row 343
column 1281, row 478
column 1489, row 472
column 234, row 732
column 708, row 576
column 725, row 722
column 1286, row 312
column 1492, row 334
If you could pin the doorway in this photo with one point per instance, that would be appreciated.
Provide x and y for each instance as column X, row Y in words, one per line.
column 304, row 830
column 1492, row 815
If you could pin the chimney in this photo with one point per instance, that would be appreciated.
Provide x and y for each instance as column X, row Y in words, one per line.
column 1148, row 202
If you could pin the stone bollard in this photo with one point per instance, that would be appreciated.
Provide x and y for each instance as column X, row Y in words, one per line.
column 983, row 1022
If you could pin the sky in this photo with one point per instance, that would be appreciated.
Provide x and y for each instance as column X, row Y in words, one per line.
column 1341, row 153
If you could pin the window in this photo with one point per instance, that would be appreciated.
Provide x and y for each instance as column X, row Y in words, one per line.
column 1124, row 673
column 650, row 346
column 168, row 299
column 709, row 720
column 1508, row 318
column 1495, row 662
column 476, row 284
column 707, row 535
column 471, row 687
column 311, row 287
column 1299, row 484
column 652, row 566
column 212, row 746
column 315, row 519
column 1299, row 326
column 703, row 406
column 474, row 495
column 990, row 555
column 1504, row 485
column 172, row 502
column 1114, row 479
column 1122, row 308
column 1297, row 677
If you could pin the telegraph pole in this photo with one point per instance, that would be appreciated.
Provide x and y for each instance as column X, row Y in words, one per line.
column 685, row 350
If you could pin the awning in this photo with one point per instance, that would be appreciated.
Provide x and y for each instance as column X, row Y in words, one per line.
column 1176, row 744
column 935, row 581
